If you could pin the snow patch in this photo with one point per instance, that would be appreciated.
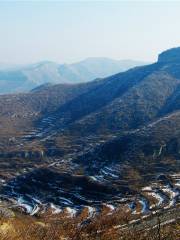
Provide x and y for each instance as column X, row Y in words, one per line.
column 70, row 211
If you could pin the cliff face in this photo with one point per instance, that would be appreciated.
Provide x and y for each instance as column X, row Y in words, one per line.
column 171, row 55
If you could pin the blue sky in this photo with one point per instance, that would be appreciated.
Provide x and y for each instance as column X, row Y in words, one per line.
column 68, row 31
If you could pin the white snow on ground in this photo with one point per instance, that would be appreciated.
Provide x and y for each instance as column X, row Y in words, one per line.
column 91, row 211
column 144, row 204
column 35, row 210
column 99, row 178
column 93, row 178
column 160, row 150
column 162, row 119
column 149, row 188
column 30, row 209
column 112, row 169
column 110, row 207
column 23, row 204
column 121, row 200
column 157, row 196
column 70, row 211
column 144, row 207
column 105, row 172
column 37, row 200
column 65, row 200
column 173, row 195
column 2, row 181
column 176, row 178
column 175, row 175
column 55, row 209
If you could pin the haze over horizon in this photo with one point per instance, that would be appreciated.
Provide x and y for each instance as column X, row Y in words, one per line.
column 71, row 31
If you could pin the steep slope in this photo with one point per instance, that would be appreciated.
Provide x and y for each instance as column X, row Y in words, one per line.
column 98, row 97
column 22, row 110
column 122, row 102
column 121, row 133
column 152, row 149
column 134, row 108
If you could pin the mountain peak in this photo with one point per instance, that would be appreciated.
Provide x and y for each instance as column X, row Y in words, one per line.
column 170, row 55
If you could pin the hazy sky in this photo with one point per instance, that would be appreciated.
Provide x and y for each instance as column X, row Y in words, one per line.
column 67, row 31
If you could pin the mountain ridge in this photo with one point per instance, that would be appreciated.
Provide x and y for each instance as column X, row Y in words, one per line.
column 26, row 77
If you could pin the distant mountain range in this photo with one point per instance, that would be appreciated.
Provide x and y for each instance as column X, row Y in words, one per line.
column 15, row 79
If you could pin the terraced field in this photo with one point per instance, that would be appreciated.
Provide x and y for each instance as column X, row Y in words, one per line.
column 100, row 148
